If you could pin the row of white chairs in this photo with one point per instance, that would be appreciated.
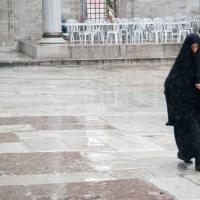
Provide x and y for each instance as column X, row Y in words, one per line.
column 162, row 29
column 132, row 30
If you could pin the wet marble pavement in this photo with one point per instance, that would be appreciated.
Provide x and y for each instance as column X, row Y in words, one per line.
column 89, row 132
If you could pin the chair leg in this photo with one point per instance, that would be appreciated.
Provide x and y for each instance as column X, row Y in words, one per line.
column 86, row 38
column 71, row 40
column 142, row 37
column 172, row 38
column 116, row 38
column 135, row 37
column 108, row 38
column 92, row 38
column 180, row 36
column 156, row 37
column 102, row 38
column 80, row 39
column 119, row 38
column 127, row 38
column 132, row 37
column 97, row 36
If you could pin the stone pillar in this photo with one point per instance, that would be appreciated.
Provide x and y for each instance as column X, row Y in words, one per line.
column 51, row 12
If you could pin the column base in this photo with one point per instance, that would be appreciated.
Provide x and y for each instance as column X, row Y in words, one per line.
column 53, row 40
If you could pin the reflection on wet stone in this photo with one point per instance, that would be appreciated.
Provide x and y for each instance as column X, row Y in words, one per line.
column 133, row 189
column 57, row 123
column 89, row 132
column 8, row 138
column 42, row 163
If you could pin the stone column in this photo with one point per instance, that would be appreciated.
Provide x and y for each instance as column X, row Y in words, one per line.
column 51, row 12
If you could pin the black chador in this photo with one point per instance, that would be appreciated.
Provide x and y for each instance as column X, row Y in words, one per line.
column 183, row 100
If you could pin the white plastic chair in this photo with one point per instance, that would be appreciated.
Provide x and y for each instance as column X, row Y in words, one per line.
column 186, row 18
column 184, row 28
column 88, row 31
column 114, row 33
column 74, row 30
column 197, row 18
column 138, row 30
column 158, row 31
column 169, row 32
column 99, row 31
column 169, row 29
column 125, row 29
column 196, row 23
column 147, row 28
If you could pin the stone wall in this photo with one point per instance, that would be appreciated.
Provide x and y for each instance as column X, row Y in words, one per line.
column 71, row 9
column 155, row 8
column 4, row 22
column 22, row 19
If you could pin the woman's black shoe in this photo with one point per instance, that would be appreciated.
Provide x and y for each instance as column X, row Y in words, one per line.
column 197, row 164
column 198, row 168
column 188, row 161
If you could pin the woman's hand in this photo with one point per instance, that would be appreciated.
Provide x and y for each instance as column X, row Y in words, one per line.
column 198, row 86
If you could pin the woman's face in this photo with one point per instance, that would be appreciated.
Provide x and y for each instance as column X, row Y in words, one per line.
column 194, row 47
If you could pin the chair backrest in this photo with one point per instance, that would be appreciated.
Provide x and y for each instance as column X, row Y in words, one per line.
column 72, row 21
column 169, row 19
column 186, row 18
column 138, row 24
column 158, row 20
column 147, row 23
column 89, row 25
column 197, row 17
column 115, row 25
column 125, row 23
column 196, row 23
column 102, row 21
column 137, row 20
column 72, row 25
column 138, row 27
column 169, row 23
column 169, row 26
column 147, row 20
column 185, row 25
column 117, row 20
column 158, row 24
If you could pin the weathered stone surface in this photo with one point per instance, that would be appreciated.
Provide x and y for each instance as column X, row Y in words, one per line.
column 104, row 52
column 156, row 8
column 57, row 140
column 23, row 19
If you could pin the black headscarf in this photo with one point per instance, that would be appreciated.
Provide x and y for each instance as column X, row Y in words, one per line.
column 182, row 96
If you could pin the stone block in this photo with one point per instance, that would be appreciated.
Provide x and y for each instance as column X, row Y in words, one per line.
column 99, row 52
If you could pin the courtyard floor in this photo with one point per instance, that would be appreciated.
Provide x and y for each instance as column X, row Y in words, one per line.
column 89, row 133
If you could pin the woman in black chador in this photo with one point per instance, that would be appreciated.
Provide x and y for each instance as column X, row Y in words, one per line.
column 182, row 91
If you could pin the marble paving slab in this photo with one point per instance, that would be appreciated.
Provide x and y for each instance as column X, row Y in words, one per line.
column 89, row 132
column 133, row 189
